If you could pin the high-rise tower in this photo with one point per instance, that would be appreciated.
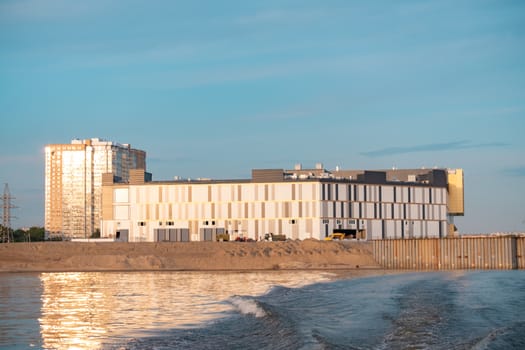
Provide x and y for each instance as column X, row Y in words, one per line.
column 73, row 183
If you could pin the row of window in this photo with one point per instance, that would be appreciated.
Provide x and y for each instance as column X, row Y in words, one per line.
column 205, row 223
column 286, row 192
column 289, row 209
column 363, row 193
column 383, row 210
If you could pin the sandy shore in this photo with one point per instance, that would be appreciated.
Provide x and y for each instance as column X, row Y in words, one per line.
column 190, row 256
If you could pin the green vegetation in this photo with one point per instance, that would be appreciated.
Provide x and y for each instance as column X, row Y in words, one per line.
column 33, row 234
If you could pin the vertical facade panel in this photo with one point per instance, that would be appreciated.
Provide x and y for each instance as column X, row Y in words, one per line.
column 387, row 193
column 418, row 194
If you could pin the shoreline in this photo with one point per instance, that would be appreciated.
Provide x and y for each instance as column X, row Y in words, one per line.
column 307, row 255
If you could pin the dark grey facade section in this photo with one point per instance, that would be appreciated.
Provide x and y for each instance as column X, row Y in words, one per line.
column 372, row 177
column 122, row 235
column 267, row 175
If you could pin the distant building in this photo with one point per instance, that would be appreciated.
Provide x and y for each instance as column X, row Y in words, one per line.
column 73, row 183
column 299, row 203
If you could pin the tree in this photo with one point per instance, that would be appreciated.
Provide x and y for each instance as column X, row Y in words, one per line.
column 33, row 234
column 95, row 234
column 36, row 233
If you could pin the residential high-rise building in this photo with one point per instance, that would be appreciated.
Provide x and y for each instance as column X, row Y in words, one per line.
column 73, row 183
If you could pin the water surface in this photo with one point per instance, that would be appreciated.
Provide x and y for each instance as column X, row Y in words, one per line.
column 266, row 310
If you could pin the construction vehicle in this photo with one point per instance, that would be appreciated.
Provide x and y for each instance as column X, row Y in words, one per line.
column 223, row 237
column 336, row 236
column 274, row 237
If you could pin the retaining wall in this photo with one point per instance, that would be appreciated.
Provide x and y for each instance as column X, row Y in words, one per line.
column 503, row 252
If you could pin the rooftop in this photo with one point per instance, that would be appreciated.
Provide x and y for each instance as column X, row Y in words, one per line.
column 416, row 177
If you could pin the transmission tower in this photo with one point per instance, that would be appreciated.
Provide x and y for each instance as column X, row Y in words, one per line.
column 7, row 235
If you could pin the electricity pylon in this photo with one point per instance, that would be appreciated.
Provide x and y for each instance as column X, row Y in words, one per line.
column 7, row 235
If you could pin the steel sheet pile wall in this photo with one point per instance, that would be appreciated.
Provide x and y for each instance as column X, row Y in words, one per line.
column 451, row 253
column 520, row 252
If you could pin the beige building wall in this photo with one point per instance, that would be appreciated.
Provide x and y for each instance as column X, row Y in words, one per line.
column 297, row 209
column 456, row 204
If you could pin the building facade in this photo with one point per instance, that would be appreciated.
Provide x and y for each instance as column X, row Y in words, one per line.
column 73, row 183
column 300, row 204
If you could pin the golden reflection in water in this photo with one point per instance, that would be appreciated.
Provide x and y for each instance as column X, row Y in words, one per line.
column 89, row 309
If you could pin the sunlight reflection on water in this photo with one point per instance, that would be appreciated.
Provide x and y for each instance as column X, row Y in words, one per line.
column 84, row 310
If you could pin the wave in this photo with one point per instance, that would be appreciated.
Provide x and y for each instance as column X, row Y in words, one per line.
column 509, row 337
column 247, row 306
column 430, row 311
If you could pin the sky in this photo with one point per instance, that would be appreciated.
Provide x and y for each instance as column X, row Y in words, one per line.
column 216, row 88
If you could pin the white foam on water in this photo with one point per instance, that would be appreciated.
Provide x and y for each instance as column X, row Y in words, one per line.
column 247, row 306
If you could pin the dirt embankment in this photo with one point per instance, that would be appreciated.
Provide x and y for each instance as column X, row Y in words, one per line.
column 197, row 256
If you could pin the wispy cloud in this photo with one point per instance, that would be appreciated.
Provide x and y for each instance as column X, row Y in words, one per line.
column 431, row 147
column 515, row 171
column 181, row 79
column 272, row 16
column 48, row 10
column 282, row 115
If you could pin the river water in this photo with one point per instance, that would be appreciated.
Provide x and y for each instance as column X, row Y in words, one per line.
column 262, row 310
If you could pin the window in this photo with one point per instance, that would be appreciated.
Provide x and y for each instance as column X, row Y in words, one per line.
column 395, row 192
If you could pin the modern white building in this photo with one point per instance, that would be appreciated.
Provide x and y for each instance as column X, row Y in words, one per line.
column 73, row 183
column 299, row 203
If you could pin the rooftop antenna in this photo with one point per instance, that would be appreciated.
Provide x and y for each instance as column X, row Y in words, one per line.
column 6, row 234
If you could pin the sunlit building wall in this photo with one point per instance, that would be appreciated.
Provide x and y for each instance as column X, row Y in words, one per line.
column 300, row 204
column 73, row 183
column 456, row 205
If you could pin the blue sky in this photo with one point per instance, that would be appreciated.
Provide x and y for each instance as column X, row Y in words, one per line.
column 216, row 88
